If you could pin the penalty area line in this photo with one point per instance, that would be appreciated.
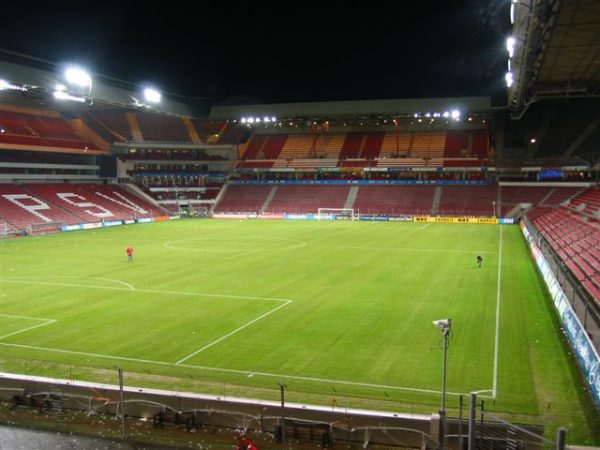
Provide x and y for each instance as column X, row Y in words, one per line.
column 237, row 371
column 231, row 333
column 23, row 330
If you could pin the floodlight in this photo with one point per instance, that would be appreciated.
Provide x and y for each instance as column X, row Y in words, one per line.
column 5, row 85
column 266, row 119
column 446, row 114
column 509, row 64
column 510, row 46
column 250, row 120
column 273, row 119
column 62, row 95
column 257, row 119
column 455, row 114
column 416, row 115
column 78, row 76
column 243, row 120
column 509, row 79
column 152, row 95
column 512, row 13
column 533, row 140
column 428, row 115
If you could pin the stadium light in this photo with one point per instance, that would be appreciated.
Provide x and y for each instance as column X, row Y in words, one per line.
column 243, row 120
column 532, row 140
column 512, row 13
column 445, row 327
column 273, row 119
column 510, row 46
column 446, row 114
column 509, row 79
column 63, row 95
column 5, row 85
column 78, row 76
column 455, row 114
column 152, row 95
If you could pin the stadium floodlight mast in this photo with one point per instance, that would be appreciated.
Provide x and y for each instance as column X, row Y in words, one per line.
column 445, row 326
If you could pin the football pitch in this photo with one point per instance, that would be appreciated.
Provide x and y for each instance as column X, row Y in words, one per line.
column 340, row 312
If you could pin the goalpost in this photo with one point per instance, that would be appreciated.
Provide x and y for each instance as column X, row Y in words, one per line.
column 43, row 228
column 335, row 214
column 3, row 229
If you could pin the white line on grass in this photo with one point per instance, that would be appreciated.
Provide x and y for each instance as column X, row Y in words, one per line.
column 498, row 301
column 236, row 371
column 231, row 333
column 425, row 226
column 149, row 291
column 46, row 322
column 131, row 288
column 407, row 249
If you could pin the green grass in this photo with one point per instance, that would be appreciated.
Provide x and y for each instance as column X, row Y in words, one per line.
column 340, row 312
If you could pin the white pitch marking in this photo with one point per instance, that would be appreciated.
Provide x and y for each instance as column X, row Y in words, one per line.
column 498, row 301
column 231, row 333
column 408, row 249
column 131, row 288
column 112, row 280
column 46, row 322
column 22, row 317
column 150, row 291
column 236, row 371
column 425, row 226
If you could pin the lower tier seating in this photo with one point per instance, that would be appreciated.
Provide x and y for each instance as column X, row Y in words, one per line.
column 577, row 242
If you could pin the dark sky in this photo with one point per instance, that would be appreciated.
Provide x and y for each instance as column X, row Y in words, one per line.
column 275, row 52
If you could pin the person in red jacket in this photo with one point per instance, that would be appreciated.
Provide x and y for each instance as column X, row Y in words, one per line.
column 130, row 252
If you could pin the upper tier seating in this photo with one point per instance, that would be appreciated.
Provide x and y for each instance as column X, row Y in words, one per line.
column 372, row 145
column 352, row 145
column 162, row 128
column 39, row 131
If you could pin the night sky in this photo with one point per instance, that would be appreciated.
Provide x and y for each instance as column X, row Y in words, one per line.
column 257, row 52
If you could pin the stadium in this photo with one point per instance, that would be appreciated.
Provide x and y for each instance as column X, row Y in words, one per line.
column 415, row 272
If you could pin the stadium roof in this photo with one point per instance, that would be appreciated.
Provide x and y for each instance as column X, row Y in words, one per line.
column 557, row 51
column 38, row 79
column 368, row 108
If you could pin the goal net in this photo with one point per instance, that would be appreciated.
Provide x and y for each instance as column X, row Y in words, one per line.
column 3, row 229
column 335, row 214
column 43, row 228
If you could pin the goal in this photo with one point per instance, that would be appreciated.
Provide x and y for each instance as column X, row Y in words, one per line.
column 335, row 214
column 43, row 228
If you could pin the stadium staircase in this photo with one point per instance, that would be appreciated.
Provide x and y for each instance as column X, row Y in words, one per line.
column 437, row 196
column 351, row 197
column 136, row 133
column 267, row 202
